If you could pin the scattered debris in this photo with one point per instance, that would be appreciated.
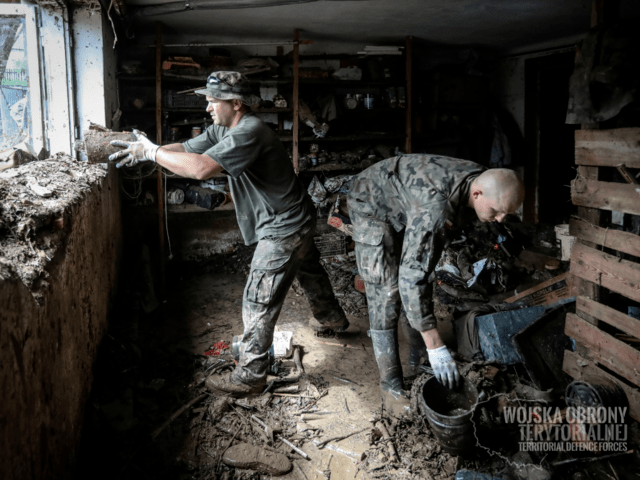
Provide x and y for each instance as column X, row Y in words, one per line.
column 244, row 455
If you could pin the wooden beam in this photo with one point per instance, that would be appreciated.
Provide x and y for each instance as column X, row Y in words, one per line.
column 582, row 369
column 622, row 241
column 545, row 293
column 604, row 11
column 608, row 148
column 160, row 185
column 617, row 356
column 409, row 119
column 606, row 270
column 626, row 174
column 608, row 315
column 296, row 92
column 617, row 197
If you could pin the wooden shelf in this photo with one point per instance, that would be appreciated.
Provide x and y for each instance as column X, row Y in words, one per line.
column 348, row 83
column 348, row 138
column 367, row 111
column 271, row 110
column 184, row 208
column 329, row 167
column 192, row 122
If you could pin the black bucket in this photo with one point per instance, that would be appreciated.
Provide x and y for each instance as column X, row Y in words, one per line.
column 449, row 414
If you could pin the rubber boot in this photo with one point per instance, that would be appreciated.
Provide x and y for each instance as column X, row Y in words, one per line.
column 417, row 349
column 385, row 348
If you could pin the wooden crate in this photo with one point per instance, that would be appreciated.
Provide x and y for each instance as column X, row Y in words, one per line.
column 593, row 269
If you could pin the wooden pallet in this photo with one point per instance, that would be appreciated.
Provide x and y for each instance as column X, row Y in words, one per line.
column 593, row 269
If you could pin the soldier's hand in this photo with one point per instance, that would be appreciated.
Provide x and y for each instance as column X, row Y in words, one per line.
column 444, row 367
column 142, row 150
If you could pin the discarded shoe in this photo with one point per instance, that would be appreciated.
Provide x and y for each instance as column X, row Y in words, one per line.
column 227, row 384
column 326, row 328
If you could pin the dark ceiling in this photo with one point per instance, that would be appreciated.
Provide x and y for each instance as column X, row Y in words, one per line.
column 506, row 25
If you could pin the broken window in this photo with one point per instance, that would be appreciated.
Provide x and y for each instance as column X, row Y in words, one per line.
column 18, row 57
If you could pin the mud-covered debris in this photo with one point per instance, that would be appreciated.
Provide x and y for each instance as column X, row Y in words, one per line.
column 342, row 270
column 244, row 455
column 35, row 198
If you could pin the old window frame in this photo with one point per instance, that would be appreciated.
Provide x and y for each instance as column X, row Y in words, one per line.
column 35, row 72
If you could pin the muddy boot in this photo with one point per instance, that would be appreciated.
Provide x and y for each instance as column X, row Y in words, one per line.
column 329, row 328
column 417, row 349
column 228, row 384
column 385, row 348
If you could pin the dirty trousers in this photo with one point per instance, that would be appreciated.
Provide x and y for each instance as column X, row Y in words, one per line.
column 378, row 255
column 275, row 264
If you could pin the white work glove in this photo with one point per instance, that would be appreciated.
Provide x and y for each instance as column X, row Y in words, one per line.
column 444, row 368
column 142, row 150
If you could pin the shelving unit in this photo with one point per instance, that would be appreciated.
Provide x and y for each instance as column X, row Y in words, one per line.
column 146, row 89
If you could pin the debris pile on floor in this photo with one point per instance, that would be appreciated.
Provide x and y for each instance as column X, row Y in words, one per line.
column 342, row 271
column 489, row 262
column 34, row 199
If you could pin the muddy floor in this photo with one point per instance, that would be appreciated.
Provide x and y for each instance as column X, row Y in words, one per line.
column 151, row 415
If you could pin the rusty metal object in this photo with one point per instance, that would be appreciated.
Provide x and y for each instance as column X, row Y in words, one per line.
column 97, row 144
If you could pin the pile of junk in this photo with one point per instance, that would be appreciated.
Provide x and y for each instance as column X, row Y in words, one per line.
column 506, row 290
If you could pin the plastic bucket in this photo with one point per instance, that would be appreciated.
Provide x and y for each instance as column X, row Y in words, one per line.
column 449, row 414
column 566, row 240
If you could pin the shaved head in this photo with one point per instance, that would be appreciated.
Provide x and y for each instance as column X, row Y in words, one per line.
column 496, row 193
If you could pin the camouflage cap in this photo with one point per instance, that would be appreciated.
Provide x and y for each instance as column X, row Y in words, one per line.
column 228, row 86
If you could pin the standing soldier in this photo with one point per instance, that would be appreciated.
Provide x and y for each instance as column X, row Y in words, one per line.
column 401, row 209
column 273, row 210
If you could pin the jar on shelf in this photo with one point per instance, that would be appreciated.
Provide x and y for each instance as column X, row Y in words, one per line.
column 175, row 134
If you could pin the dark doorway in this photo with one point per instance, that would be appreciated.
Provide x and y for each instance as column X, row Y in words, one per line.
column 550, row 142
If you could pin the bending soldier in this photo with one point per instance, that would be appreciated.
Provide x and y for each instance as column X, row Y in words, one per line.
column 401, row 209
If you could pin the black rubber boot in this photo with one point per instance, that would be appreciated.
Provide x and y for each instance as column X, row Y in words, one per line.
column 385, row 348
column 417, row 349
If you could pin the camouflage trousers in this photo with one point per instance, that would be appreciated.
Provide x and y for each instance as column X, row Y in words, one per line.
column 276, row 262
column 378, row 255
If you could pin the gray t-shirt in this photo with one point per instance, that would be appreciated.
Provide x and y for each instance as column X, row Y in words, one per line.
column 269, row 198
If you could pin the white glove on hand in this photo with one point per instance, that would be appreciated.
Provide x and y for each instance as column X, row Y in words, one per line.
column 444, row 368
column 142, row 150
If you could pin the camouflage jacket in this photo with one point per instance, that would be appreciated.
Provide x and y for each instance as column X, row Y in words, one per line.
column 425, row 196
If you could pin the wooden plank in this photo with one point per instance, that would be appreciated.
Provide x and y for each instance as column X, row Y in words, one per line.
column 608, row 148
column 626, row 174
column 582, row 369
column 618, row 197
column 613, row 317
column 296, row 92
column 409, row 119
column 591, row 215
column 544, row 293
column 622, row 241
column 160, row 185
column 617, row 356
column 606, row 270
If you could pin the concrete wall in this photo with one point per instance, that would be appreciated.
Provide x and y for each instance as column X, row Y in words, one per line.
column 509, row 84
column 47, row 351
column 95, row 65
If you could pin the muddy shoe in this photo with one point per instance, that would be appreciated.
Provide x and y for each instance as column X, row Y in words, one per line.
column 396, row 404
column 328, row 328
column 227, row 384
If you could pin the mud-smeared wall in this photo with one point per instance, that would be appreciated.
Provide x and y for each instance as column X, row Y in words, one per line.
column 47, row 350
